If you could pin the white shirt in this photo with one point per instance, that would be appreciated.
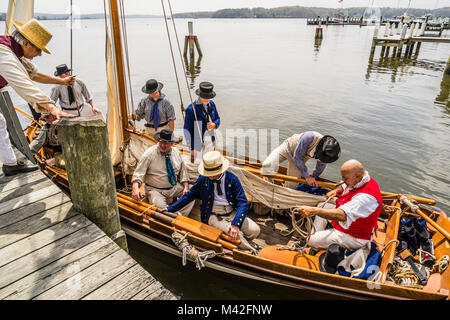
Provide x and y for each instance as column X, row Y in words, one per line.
column 361, row 205
column 19, row 73
column 220, row 200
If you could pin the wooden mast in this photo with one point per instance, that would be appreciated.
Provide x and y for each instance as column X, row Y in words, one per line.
column 120, row 71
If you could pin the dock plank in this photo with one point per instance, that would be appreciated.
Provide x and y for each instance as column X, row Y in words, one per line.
column 38, row 240
column 155, row 289
column 47, row 255
column 22, row 229
column 31, row 209
column 17, row 193
column 18, row 181
column 65, row 271
column 124, row 286
column 37, row 195
column 88, row 280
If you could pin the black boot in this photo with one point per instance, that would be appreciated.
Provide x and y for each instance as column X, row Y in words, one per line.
column 20, row 167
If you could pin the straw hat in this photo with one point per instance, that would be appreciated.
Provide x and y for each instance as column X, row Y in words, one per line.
column 213, row 164
column 36, row 33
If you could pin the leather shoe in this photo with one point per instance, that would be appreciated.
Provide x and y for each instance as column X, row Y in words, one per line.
column 20, row 167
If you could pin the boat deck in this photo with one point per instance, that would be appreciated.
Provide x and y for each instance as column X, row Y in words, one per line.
column 50, row 251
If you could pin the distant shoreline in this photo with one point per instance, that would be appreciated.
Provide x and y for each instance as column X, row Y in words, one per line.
column 291, row 12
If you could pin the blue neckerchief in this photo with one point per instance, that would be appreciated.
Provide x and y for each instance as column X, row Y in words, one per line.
column 155, row 116
column 170, row 170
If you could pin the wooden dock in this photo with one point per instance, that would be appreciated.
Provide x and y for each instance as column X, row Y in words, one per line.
column 49, row 251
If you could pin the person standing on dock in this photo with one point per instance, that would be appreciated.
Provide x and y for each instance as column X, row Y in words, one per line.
column 224, row 204
column 300, row 148
column 201, row 116
column 71, row 97
column 156, row 109
column 26, row 42
column 355, row 216
column 163, row 172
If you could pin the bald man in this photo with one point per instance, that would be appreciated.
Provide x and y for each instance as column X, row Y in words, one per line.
column 354, row 218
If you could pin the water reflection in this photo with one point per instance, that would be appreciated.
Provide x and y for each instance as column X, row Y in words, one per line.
column 192, row 69
column 317, row 44
column 443, row 98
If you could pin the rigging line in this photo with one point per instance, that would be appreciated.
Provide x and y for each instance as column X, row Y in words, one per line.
column 184, row 70
column 179, row 52
column 71, row 59
column 125, row 39
column 173, row 58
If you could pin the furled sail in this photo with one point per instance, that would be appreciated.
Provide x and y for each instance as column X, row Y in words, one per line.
column 20, row 11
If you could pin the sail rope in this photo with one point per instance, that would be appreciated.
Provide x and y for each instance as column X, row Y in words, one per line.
column 190, row 252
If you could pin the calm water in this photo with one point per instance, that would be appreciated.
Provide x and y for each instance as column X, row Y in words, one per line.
column 391, row 114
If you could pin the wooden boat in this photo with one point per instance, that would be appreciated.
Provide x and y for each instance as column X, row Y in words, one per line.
column 279, row 267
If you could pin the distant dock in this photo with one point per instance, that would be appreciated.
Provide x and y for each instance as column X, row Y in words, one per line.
column 49, row 251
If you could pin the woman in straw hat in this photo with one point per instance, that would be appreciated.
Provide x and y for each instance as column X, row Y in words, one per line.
column 224, row 204
column 16, row 70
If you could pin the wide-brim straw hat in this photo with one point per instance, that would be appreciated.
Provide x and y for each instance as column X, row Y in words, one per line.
column 213, row 164
column 36, row 33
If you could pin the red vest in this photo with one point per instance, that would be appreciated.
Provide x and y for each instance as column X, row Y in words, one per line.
column 15, row 47
column 361, row 228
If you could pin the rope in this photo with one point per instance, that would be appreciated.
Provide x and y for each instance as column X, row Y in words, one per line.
column 441, row 265
column 190, row 252
column 404, row 276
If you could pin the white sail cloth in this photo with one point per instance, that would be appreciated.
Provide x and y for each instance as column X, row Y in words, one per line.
column 261, row 191
column 18, row 10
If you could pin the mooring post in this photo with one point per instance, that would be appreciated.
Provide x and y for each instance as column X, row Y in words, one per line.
column 85, row 146
column 374, row 40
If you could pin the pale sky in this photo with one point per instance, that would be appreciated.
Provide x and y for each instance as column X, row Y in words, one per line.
column 154, row 6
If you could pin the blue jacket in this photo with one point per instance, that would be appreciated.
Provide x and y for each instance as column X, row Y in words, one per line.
column 190, row 128
column 204, row 189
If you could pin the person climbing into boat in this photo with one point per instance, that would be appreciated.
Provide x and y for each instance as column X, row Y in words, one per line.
column 156, row 109
column 354, row 218
column 25, row 43
column 163, row 172
column 74, row 99
column 300, row 148
column 201, row 110
column 224, row 204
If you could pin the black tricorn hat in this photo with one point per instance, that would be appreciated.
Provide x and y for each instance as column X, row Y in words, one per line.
column 328, row 149
column 152, row 86
column 329, row 260
column 165, row 136
column 205, row 90
column 61, row 69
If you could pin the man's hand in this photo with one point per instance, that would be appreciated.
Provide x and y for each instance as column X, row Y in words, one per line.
column 311, row 181
column 57, row 113
column 96, row 111
column 186, row 189
column 306, row 211
column 192, row 156
column 68, row 81
column 163, row 209
column 210, row 125
column 234, row 232
column 137, row 193
column 332, row 193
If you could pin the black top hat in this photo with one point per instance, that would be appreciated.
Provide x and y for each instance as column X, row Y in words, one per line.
column 165, row 136
column 61, row 69
column 205, row 90
column 152, row 86
column 329, row 260
column 328, row 149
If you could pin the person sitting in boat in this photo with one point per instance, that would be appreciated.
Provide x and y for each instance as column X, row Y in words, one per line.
column 156, row 109
column 202, row 110
column 163, row 172
column 356, row 213
column 25, row 43
column 300, row 148
column 76, row 99
column 224, row 204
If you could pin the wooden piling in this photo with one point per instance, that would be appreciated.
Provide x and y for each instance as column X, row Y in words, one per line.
column 85, row 146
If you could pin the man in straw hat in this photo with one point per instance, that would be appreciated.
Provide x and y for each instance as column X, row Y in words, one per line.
column 224, row 204
column 156, row 109
column 300, row 148
column 356, row 213
column 16, row 70
column 201, row 120
column 163, row 172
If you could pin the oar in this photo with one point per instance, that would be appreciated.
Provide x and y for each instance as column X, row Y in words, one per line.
column 416, row 209
column 328, row 185
column 196, row 227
